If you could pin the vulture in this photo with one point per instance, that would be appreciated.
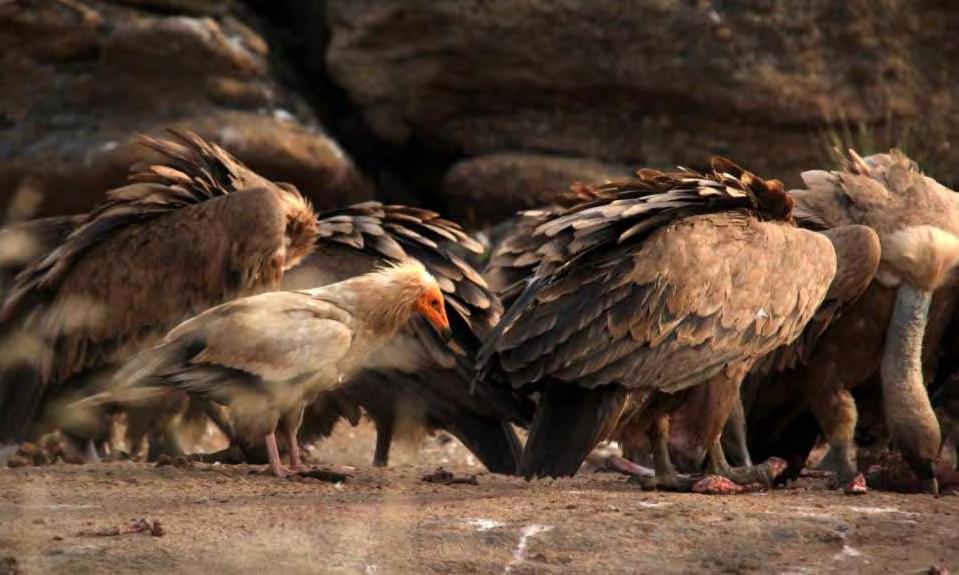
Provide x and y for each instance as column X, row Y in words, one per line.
column 24, row 242
column 267, row 354
column 886, row 335
column 190, row 231
column 432, row 385
column 666, row 282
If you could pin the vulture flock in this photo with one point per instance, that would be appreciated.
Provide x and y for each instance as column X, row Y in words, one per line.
column 714, row 325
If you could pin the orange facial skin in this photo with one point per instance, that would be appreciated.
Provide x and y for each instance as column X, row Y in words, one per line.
column 431, row 306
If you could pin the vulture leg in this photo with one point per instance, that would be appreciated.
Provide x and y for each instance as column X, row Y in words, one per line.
column 764, row 474
column 835, row 410
column 292, row 445
column 624, row 465
column 909, row 416
column 273, row 453
column 734, row 436
column 666, row 477
column 90, row 454
column 289, row 426
column 385, row 426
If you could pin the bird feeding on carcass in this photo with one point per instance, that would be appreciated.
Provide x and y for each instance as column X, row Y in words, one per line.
column 192, row 229
column 881, row 338
column 265, row 355
column 673, row 281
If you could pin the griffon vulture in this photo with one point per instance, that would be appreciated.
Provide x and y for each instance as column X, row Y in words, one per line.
column 264, row 355
column 193, row 230
column 883, row 333
column 432, row 385
column 671, row 281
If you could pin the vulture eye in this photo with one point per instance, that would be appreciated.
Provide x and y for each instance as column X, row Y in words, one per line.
column 435, row 304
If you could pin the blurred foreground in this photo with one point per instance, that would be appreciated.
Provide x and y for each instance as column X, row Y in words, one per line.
column 218, row 518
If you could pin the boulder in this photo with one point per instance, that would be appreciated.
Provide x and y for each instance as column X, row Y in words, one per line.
column 647, row 82
column 79, row 79
column 484, row 190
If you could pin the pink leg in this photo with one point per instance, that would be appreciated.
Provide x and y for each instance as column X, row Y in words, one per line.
column 293, row 445
column 273, row 453
column 622, row 465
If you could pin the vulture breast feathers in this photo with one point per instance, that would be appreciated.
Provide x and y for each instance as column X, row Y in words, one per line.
column 189, row 231
column 671, row 276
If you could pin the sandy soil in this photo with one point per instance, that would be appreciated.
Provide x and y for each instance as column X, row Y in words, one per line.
column 219, row 518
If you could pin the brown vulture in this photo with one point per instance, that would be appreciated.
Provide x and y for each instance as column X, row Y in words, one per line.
column 886, row 334
column 192, row 230
column 670, row 281
column 267, row 354
column 432, row 386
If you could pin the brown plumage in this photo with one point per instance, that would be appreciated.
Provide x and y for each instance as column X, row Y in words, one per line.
column 25, row 242
column 117, row 282
column 517, row 255
column 433, row 387
column 673, row 279
column 917, row 222
column 264, row 355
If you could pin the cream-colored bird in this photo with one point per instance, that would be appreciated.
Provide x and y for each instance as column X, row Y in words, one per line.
column 267, row 354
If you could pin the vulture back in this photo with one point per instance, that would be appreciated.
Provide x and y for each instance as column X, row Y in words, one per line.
column 667, row 279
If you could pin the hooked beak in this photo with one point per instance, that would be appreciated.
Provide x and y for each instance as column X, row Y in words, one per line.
column 437, row 318
column 446, row 333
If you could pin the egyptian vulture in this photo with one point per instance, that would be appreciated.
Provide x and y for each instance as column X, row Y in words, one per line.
column 264, row 356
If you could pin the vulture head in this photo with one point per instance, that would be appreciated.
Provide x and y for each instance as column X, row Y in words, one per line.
column 301, row 225
column 403, row 289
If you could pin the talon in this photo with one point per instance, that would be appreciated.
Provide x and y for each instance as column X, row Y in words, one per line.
column 857, row 486
column 776, row 467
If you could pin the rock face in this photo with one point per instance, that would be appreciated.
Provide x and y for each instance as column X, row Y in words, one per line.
column 474, row 107
column 80, row 78
column 487, row 189
column 646, row 82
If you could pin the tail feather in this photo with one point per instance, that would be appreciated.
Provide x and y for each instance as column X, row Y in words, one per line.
column 568, row 424
column 136, row 382
column 492, row 441
column 21, row 395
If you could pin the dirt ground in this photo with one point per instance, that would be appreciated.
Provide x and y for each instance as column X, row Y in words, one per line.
column 216, row 518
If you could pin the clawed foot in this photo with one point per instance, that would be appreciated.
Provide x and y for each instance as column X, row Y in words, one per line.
column 764, row 474
column 733, row 480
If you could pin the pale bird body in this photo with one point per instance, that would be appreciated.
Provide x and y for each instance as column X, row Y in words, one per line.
column 265, row 355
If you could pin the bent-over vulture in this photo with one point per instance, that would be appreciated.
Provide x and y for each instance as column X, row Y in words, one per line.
column 264, row 355
column 190, row 231
column 672, row 281
column 883, row 333
column 432, row 385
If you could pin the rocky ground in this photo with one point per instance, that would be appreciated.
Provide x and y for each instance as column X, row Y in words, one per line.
column 215, row 518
